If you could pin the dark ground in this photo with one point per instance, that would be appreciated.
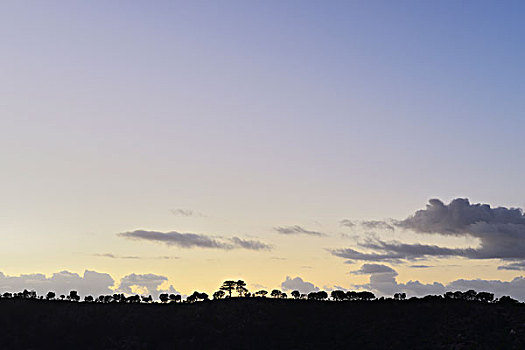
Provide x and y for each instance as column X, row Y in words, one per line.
column 262, row 324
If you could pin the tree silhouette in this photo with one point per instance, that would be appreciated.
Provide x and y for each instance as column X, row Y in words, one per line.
column 485, row 297
column 164, row 297
column 296, row 294
column 88, row 298
column 262, row 293
column 228, row 287
column 147, row 299
column 50, row 295
column 276, row 293
column 338, row 295
column 73, row 295
column 400, row 296
column 240, row 287
column 366, row 295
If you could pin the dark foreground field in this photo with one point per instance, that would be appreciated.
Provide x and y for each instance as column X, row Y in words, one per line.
column 261, row 324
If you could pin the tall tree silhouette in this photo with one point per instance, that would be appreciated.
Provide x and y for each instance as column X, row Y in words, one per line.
column 296, row 294
column 228, row 287
column 240, row 287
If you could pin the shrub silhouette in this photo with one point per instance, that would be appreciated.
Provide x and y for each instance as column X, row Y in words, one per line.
column 50, row 295
column 219, row 294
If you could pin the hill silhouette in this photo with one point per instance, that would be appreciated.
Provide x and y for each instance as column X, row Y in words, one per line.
column 262, row 323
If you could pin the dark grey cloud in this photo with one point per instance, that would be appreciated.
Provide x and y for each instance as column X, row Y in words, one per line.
column 250, row 244
column 420, row 266
column 192, row 240
column 148, row 283
column 385, row 283
column 352, row 254
column 295, row 230
column 91, row 283
column 500, row 231
column 516, row 266
column 297, row 283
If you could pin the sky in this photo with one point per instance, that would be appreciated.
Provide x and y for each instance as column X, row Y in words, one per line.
column 171, row 145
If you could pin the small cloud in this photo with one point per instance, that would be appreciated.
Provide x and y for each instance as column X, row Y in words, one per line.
column 185, row 212
column 257, row 286
column 347, row 223
column 250, row 244
column 420, row 266
column 294, row 230
column 377, row 225
column 145, row 284
column 297, row 283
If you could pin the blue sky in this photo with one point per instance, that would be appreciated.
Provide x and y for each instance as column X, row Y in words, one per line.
column 254, row 115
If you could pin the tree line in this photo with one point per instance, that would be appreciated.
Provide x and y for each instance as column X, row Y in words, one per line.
column 238, row 289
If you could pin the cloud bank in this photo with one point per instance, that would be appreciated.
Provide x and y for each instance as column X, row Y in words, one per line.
column 91, row 283
column 500, row 231
column 383, row 281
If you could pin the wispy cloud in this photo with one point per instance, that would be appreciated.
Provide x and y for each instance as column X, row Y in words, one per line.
column 114, row 256
column 193, row 240
column 250, row 244
column 296, row 230
column 185, row 212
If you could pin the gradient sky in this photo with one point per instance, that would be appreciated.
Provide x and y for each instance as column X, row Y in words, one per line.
column 235, row 118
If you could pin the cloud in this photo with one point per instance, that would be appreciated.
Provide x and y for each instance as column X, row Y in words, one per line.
column 144, row 284
column 377, row 225
column 420, row 266
column 250, row 244
column 192, row 240
column 114, row 256
column 352, row 254
column 368, row 224
column 347, row 223
column 91, row 283
column 517, row 266
column 373, row 269
column 297, row 283
column 294, row 230
column 383, row 281
column 185, row 212
column 500, row 231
